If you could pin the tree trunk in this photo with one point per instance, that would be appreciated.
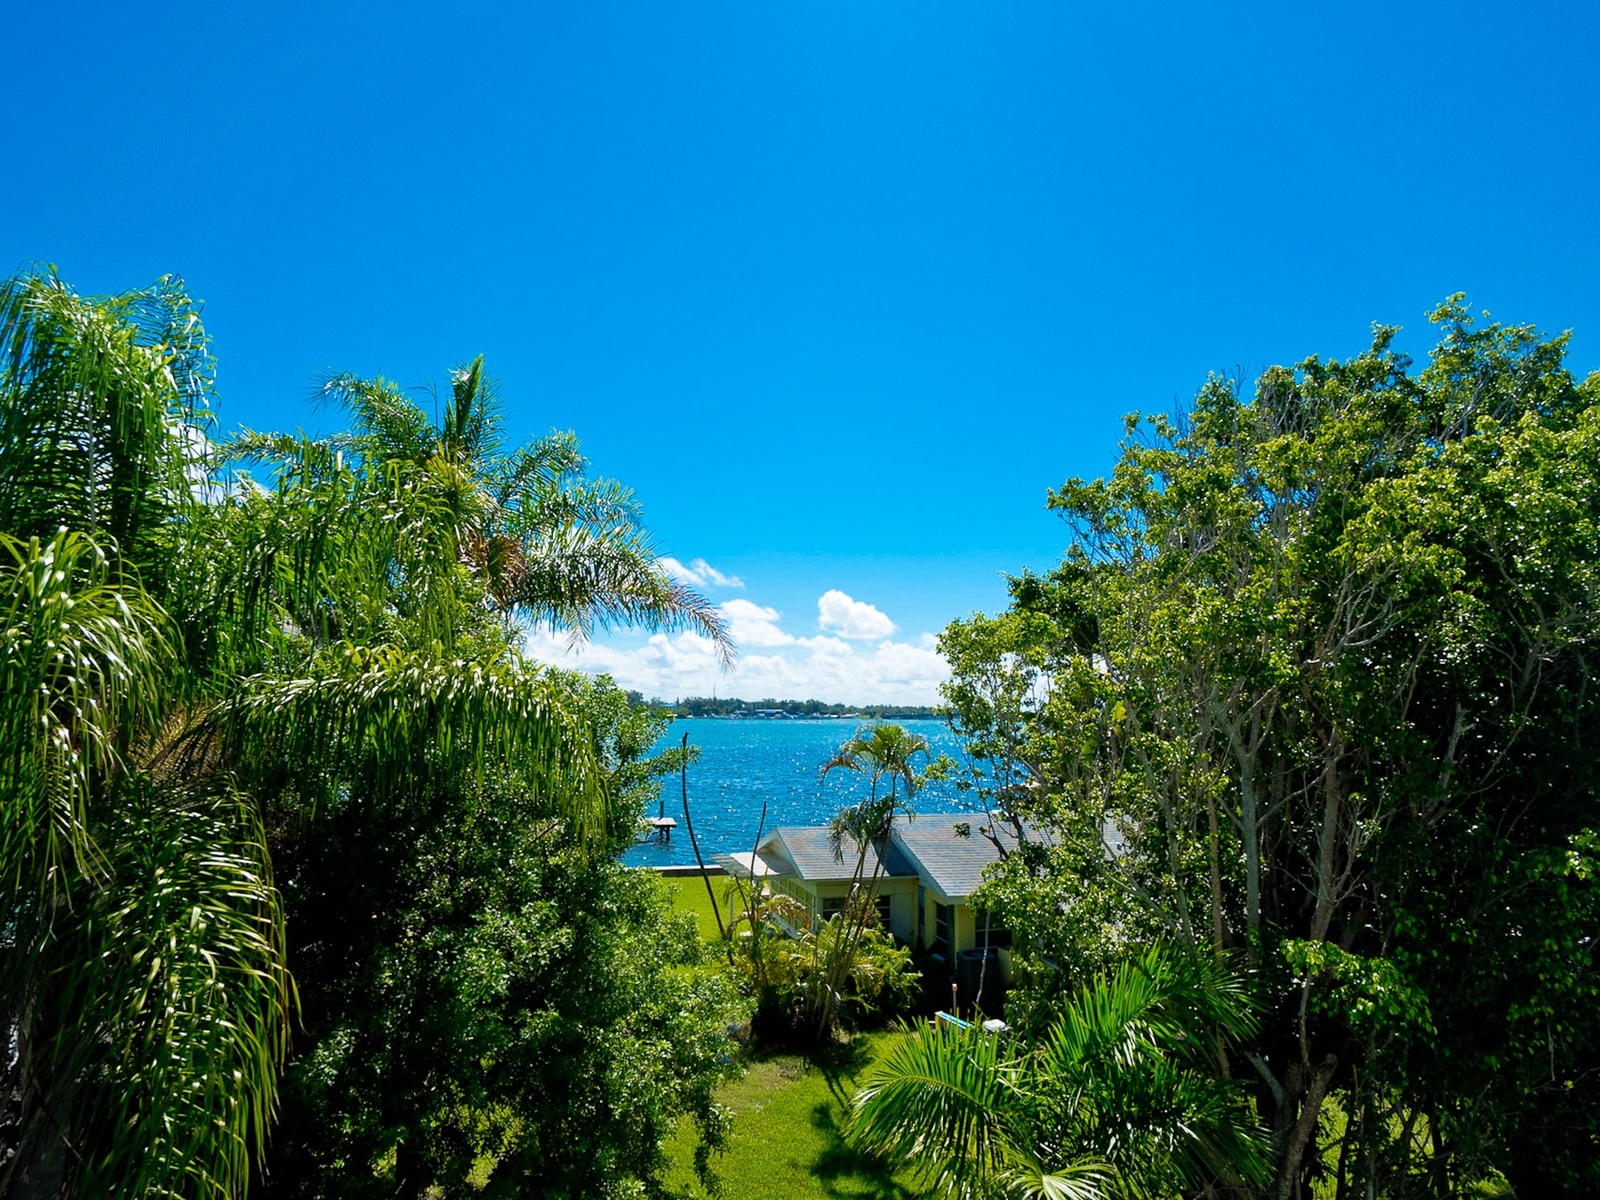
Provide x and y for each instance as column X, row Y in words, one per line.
column 1304, row 1125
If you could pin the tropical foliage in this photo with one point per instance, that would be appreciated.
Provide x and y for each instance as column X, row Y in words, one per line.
column 255, row 727
column 1120, row 1097
column 786, row 958
column 810, row 971
column 145, row 997
column 884, row 754
column 1312, row 686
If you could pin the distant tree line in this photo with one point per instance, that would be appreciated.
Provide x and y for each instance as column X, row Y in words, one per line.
column 708, row 706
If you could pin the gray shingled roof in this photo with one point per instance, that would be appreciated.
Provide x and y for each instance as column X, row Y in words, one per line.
column 813, row 858
column 952, row 863
column 928, row 846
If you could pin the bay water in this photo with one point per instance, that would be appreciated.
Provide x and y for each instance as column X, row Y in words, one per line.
column 744, row 762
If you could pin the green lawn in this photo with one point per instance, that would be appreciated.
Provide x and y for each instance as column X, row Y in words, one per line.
column 787, row 1111
column 689, row 895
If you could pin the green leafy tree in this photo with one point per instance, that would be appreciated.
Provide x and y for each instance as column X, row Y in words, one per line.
column 1321, row 657
column 207, row 683
column 485, row 1004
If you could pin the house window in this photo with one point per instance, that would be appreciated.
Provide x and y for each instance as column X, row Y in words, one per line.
column 834, row 905
column 941, row 929
column 987, row 932
column 884, row 910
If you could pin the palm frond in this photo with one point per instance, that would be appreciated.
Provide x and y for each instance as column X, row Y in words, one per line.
column 535, row 469
column 1088, row 1179
column 402, row 718
column 577, row 579
column 471, row 428
column 81, row 664
column 101, row 420
column 389, row 423
column 878, row 751
column 939, row 1101
column 1104, row 1105
column 165, row 1027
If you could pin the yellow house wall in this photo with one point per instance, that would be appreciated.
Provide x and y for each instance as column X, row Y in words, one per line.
column 965, row 929
column 902, row 894
column 928, row 901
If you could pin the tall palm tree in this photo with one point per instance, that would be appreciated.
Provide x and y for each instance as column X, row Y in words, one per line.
column 547, row 542
column 174, row 655
column 882, row 753
column 142, row 989
column 1119, row 1098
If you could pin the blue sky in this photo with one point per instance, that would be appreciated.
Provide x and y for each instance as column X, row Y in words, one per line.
column 838, row 288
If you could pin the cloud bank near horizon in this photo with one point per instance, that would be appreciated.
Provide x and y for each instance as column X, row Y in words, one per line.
column 852, row 656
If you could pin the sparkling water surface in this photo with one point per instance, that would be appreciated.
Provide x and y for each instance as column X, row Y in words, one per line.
column 745, row 762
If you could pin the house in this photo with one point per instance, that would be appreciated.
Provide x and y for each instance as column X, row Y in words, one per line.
column 924, row 887
column 948, row 855
column 798, row 861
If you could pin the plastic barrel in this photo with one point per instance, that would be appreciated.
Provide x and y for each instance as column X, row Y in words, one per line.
column 973, row 965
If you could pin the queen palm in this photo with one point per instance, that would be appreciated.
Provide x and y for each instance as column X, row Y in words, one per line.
column 188, row 653
column 144, row 999
column 883, row 755
column 545, row 541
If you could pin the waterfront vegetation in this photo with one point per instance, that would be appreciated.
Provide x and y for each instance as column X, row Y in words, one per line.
column 1323, row 652
column 310, row 875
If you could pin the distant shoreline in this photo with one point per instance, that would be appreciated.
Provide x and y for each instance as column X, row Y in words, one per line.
column 772, row 709
column 793, row 716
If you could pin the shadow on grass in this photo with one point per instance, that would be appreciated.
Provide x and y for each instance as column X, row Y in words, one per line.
column 841, row 1065
column 827, row 1078
column 839, row 1163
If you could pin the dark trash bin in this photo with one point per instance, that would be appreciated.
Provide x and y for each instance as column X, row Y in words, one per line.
column 973, row 966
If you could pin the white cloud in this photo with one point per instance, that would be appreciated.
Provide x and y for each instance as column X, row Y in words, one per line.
column 699, row 574
column 838, row 613
column 749, row 624
column 857, row 663
column 686, row 664
column 823, row 668
column 823, row 644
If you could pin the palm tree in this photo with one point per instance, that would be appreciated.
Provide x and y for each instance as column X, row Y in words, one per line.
column 105, row 406
column 142, row 989
column 547, row 542
column 175, row 658
column 881, row 753
column 1118, row 1099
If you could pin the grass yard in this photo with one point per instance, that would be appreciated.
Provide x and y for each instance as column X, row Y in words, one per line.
column 689, row 895
column 786, row 1145
column 787, row 1113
